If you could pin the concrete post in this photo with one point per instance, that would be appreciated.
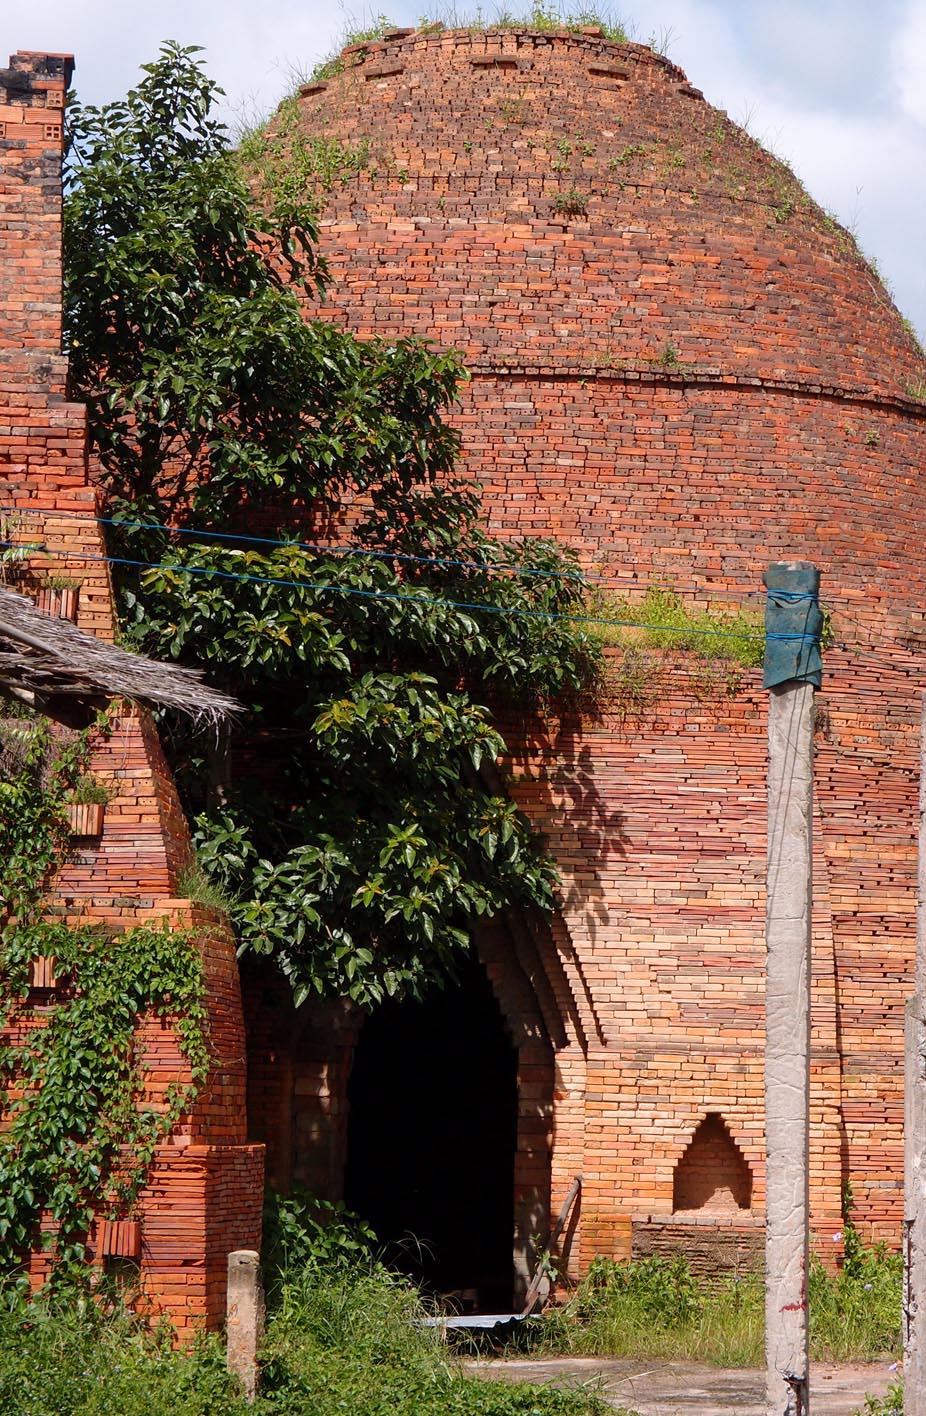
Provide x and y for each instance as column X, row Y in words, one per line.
column 914, row 1235
column 790, row 673
column 245, row 1317
column 787, row 1048
column 914, row 1306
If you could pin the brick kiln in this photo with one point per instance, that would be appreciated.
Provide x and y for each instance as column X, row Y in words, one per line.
column 683, row 369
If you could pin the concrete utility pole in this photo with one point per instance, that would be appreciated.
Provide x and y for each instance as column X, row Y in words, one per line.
column 914, row 1246
column 792, row 672
column 244, row 1318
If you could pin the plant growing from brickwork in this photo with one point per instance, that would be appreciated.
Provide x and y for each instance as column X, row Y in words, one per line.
column 543, row 15
column 333, row 64
column 77, row 1141
column 668, row 358
column 277, row 161
column 627, row 155
column 15, row 548
column 663, row 621
column 572, row 202
column 380, row 837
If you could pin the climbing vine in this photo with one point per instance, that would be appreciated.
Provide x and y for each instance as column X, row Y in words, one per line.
column 78, row 1131
column 33, row 829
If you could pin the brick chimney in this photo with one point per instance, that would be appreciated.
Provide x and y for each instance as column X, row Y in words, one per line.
column 32, row 95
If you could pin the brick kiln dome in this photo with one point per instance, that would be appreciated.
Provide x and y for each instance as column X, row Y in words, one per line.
column 563, row 199
column 679, row 361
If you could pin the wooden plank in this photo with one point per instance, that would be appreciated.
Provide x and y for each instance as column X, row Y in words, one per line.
column 533, row 1292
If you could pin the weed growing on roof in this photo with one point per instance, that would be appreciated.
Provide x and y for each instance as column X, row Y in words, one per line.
column 572, row 202
column 661, row 41
column 333, row 63
column 544, row 15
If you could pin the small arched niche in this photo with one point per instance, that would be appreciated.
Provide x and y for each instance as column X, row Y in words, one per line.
column 712, row 1174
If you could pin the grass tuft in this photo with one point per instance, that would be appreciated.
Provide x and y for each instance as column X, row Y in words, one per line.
column 544, row 15
column 856, row 1312
column 890, row 1405
column 341, row 1339
column 194, row 884
column 655, row 1308
column 662, row 620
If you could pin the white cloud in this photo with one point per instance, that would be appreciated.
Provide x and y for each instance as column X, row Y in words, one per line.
column 910, row 61
column 822, row 55
column 251, row 50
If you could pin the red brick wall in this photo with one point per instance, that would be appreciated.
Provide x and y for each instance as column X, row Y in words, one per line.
column 693, row 236
column 694, row 375
column 205, row 1191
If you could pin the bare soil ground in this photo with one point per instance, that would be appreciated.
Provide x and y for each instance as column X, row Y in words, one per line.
column 687, row 1389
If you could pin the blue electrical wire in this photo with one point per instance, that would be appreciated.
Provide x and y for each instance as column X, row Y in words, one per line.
column 432, row 602
column 333, row 548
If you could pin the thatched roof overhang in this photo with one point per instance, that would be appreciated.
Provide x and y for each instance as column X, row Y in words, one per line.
column 60, row 667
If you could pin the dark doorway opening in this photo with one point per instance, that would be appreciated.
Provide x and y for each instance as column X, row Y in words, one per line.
column 432, row 1130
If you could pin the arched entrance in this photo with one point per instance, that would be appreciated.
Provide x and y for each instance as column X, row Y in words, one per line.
column 431, row 1138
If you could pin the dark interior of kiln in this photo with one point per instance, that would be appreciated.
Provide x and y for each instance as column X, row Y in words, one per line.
column 431, row 1139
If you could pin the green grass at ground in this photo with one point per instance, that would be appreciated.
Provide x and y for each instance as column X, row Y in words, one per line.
column 345, row 1335
column 352, row 1342
column 67, row 1359
column 890, row 1405
column 654, row 1308
column 345, row 1341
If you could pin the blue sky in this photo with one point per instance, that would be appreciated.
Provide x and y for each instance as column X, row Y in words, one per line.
column 836, row 87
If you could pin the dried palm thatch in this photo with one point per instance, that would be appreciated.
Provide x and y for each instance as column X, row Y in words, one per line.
column 43, row 659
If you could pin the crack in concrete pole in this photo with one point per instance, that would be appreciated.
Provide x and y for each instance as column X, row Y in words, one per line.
column 914, row 1228
column 792, row 671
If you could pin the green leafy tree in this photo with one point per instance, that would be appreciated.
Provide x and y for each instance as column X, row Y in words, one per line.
column 356, row 824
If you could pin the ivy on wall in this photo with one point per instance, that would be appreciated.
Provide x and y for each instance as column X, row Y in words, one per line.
column 78, row 1130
